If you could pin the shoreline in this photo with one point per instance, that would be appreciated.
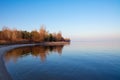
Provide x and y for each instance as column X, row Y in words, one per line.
column 45, row 43
column 4, row 75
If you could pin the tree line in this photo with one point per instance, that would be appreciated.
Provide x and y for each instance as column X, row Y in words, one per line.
column 13, row 35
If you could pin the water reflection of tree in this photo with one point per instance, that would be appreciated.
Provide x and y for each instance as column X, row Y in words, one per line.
column 38, row 51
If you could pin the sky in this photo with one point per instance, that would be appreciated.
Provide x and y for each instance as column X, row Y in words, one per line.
column 77, row 19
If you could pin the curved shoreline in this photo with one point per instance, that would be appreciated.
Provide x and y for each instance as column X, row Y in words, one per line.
column 4, row 75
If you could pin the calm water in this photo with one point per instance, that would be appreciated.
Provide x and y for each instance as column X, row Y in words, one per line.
column 77, row 61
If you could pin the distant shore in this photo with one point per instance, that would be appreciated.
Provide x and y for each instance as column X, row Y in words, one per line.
column 4, row 75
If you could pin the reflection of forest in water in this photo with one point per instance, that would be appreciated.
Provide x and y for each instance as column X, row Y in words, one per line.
column 38, row 51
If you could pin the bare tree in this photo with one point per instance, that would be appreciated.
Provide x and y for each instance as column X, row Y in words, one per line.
column 59, row 36
column 43, row 33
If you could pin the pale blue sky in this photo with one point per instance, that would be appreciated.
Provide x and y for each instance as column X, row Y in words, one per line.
column 77, row 19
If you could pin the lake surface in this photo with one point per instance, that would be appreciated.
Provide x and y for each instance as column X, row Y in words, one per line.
column 77, row 61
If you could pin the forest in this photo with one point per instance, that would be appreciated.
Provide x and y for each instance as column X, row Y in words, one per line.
column 8, row 35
